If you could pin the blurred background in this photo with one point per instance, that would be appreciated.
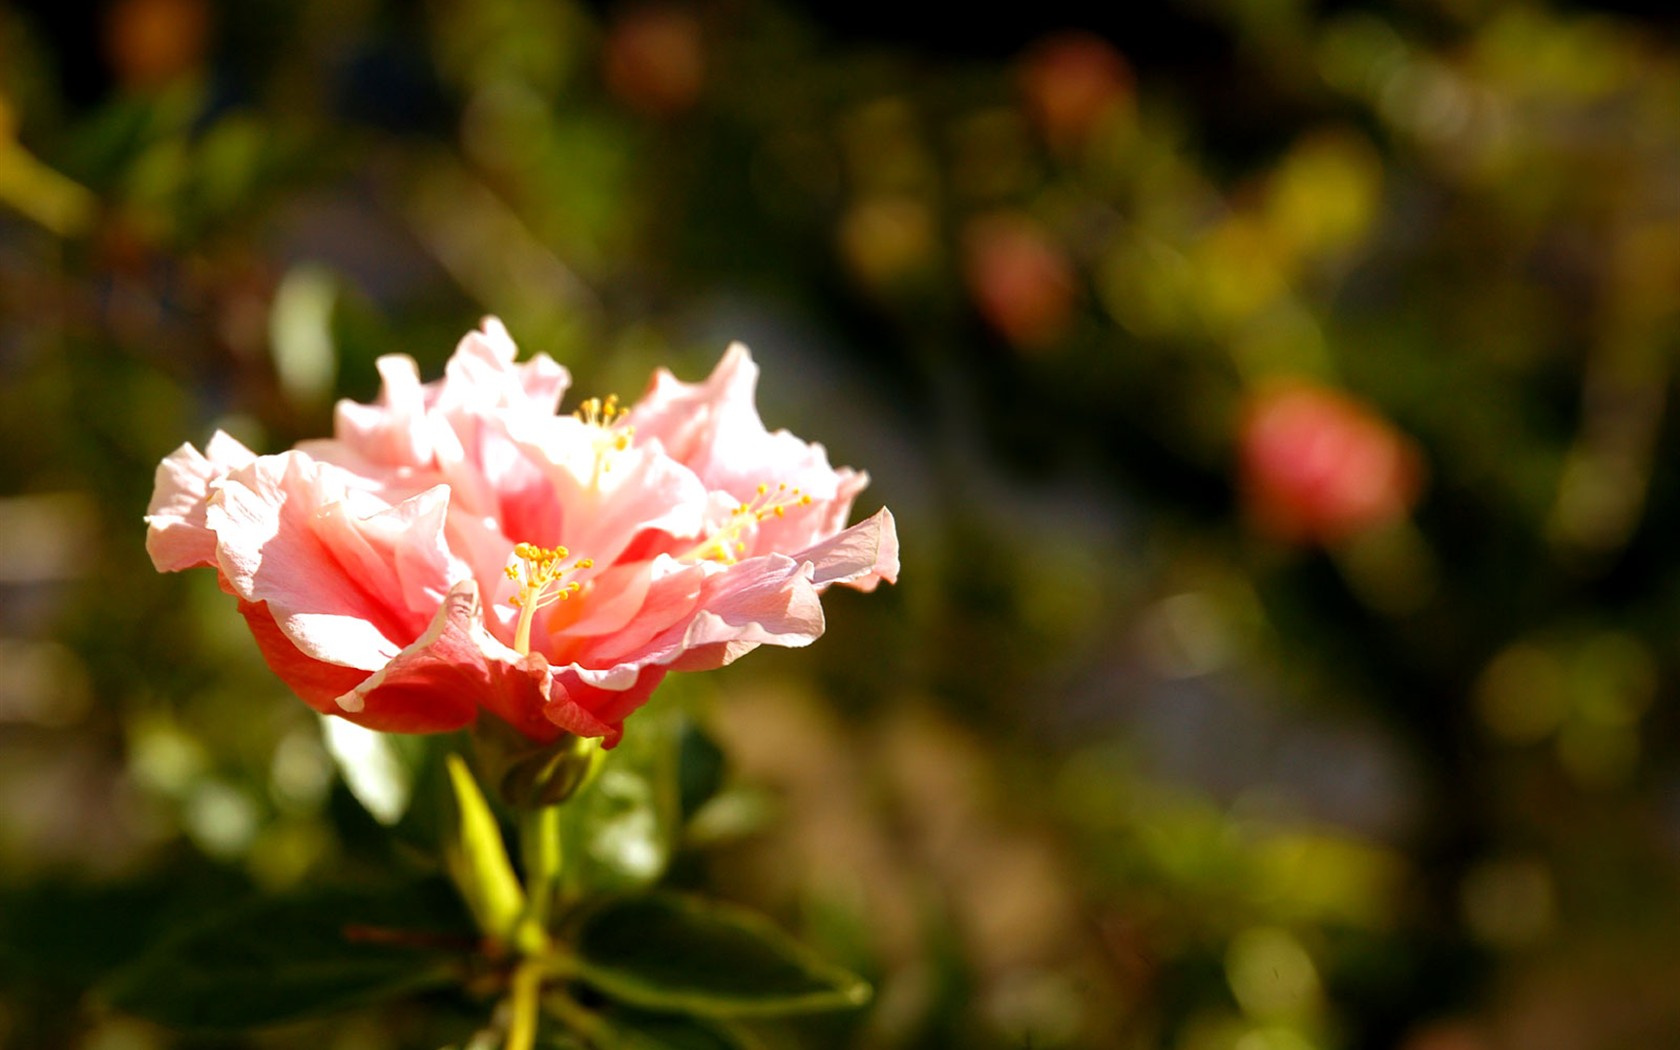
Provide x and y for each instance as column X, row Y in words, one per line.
column 1273, row 396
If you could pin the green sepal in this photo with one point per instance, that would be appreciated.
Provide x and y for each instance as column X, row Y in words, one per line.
column 668, row 952
column 276, row 960
column 528, row 775
column 478, row 858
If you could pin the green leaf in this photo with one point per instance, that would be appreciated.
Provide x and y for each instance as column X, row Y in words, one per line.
column 669, row 952
column 618, row 832
column 281, row 960
column 700, row 765
column 478, row 858
column 640, row 1030
column 380, row 769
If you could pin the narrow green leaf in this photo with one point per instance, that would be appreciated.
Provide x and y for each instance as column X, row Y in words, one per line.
column 478, row 858
column 271, row 960
column 640, row 1030
column 669, row 952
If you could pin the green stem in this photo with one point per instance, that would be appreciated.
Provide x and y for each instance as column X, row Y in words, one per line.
column 539, row 848
column 524, row 1001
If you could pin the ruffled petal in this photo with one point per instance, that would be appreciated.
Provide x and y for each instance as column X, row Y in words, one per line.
column 317, row 682
column 625, row 609
column 578, row 706
column 764, row 601
column 860, row 557
column 346, row 589
column 177, row 536
column 713, row 428
column 438, row 683
column 394, row 431
column 603, row 506
column 481, row 378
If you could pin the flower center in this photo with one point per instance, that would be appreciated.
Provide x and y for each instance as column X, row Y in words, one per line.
column 606, row 416
column 611, row 434
column 725, row 543
column 538, row 574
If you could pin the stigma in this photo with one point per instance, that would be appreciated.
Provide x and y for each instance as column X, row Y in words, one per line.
column 727, row 543
column 539, row 573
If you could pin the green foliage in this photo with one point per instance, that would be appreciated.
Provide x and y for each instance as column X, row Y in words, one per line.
column 619, row 832
column 639, row 1030
column 1114, row 756
column 315, row 953
column 675, row 953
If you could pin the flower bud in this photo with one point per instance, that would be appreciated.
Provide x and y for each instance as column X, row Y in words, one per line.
column 528, row 775
column 1071, row 83
column 1318, row 466
column 1023, row 282
column 654, row 60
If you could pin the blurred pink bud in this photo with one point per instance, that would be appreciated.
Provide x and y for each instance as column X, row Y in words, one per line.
column 1023, row 282
column 1319, row 466
column 151, row 42
column 1072, row 81
column 654, row 59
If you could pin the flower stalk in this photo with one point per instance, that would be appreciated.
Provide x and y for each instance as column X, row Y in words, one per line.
column 540, row 850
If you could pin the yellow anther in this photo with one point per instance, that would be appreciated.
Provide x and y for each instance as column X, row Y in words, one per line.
column 612, row 434
column 539, row 584
column 601, row 413
column 725, row 543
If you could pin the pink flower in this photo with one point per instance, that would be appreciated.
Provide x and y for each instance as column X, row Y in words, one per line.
column 459, row 546
column 1319, row 466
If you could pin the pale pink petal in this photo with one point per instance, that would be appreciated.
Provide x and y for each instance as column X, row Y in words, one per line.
column 610, row 628
column 682, row 416
column 763, row 601
column 713, row 427
column 335, row 585
column 438, row 682
column 860, row 557
column 317, row 682
column 482, row 379
column 394, row 431
column 176, row 534
column 603, row 511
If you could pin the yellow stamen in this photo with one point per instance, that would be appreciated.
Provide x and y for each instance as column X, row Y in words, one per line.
column 725, row 543
column 539, row 584
column 613, row 434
